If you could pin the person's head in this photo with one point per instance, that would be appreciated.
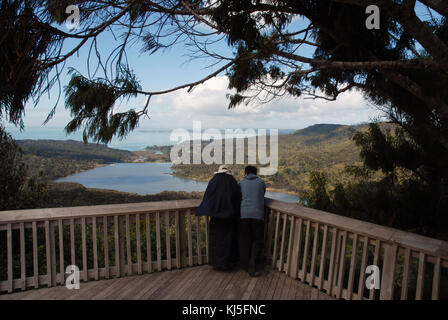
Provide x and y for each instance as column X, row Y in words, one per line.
column 249, row 170
column 224, row 169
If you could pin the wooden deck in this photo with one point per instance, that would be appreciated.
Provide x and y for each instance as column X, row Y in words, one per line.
column 198, row 283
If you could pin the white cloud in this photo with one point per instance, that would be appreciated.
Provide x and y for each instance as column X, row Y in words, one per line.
column 208, row 103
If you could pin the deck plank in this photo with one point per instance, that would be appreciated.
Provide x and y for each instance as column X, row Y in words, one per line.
column 195, row 273
column 258, row 289
column 198, row 283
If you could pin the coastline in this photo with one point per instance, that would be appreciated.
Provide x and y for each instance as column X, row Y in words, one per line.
column 96, row 165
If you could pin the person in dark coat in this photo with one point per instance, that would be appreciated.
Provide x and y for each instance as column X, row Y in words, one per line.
column 221, row 202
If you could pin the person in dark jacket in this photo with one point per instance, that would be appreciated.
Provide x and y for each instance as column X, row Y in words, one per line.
column 251, row 226
column 221, row 202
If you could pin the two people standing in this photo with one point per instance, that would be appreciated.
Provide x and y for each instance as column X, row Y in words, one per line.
column 236, row 220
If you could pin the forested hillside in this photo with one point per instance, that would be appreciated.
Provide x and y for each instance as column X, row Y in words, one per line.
column 322, row 147
column 51, row 159
column 69, row 194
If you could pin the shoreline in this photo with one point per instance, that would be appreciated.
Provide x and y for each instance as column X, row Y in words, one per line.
column 97, row 165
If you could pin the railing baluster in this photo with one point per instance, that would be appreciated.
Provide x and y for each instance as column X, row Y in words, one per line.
column 282, row 245
column 334, row 239
column 274, row 254
column 168, row 240
column 290, row 244
column 122, row 244
column 314, row 254
column 61, row 251
column 351, row 275
column 436, row 280
column 336, row 259
column 388, row 272
column 269, row 234
column 375, row 263
column 198, row 239
column 362, row 271
column 117, row 248
column 159, row 252
column 84, row 249
column 323, row 259
column 404, row 281
column 128, row 245
column 22, row 256
column 35, row 256
column 106, row 247
column 95, row 249
column 420, row 276
column 190, row 245
column 183, row 238
column 139, row 245
column 296, row 248
column 305, row 251
column 9, row 257
column 53, row 254
column 342, row 265
column 47, row 252
column 148, row 243
column 72, row 242
column 177, row 233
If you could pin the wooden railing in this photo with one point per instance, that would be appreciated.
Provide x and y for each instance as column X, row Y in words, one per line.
column 102, row 241
column 331, row 252
column 324, row 250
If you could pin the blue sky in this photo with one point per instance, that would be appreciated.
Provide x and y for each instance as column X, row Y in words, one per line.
column 208, row 103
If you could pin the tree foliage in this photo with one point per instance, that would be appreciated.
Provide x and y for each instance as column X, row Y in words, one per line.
column 307, row 48
column 17, row 192
column 411, row 195
column 402, row 66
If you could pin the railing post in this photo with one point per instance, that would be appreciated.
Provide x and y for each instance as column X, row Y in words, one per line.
column 182, row 241
column 388, row 274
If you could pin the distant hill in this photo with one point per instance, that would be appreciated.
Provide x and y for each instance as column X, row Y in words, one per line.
column 74, row 150
column 52, row 159
column 324, row 131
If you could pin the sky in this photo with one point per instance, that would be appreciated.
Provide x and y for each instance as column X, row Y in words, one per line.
column 207, row 102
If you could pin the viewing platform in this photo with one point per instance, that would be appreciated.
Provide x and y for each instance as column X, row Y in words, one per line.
column 159, row 250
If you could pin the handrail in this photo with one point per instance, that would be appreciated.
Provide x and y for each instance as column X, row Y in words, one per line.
column 17, row 216
column 332, row 252
column 364, row 228
column 324, row 250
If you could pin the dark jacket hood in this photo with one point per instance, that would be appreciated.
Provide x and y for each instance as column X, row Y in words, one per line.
column 222, row 198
